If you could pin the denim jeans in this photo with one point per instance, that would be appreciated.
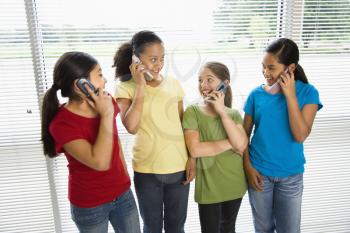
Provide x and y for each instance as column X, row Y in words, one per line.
column 278, row 206
column 122, row 213
column 219, row 217
column 162, row 196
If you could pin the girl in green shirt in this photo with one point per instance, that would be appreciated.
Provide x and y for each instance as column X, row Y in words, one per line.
column 215, row 137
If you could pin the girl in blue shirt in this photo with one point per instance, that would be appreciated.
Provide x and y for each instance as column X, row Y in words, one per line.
column 282, row 112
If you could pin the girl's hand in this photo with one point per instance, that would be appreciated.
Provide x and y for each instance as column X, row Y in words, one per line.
column 190, row 170
column 287, row 84
column 216, row 100
column 255, row 179
column 102, row 103
column 137, row 70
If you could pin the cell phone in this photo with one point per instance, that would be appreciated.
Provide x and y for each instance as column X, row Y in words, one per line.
column 221, row 87
column 147, row 74
column 81, row 84
column 276, row 87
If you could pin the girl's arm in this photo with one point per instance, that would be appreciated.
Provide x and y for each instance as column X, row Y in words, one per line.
column 122, row 157
column 300, row 121
column 131, row 110
column 204, row 149
column 97, row 156
column 235, row 132
column 181, row 109
column 255, row 180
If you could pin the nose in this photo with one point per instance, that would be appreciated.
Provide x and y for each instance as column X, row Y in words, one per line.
column 159, row 64
column 203, row 84
column 265, row 72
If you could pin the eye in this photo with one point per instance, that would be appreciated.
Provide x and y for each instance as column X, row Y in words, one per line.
column 153, row 60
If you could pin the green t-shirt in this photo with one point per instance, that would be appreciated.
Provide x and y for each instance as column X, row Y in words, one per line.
column 219, row 178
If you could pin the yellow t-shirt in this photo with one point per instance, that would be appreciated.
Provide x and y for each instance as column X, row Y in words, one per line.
column 159, row 145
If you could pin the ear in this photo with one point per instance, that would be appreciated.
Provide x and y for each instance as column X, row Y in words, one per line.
column 75, row 86
column 292, row 67
column 227, row 82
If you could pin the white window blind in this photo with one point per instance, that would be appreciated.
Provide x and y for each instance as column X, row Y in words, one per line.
column 25, row 200
column 33, row 33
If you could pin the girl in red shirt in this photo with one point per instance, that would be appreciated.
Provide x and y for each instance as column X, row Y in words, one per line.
column 85, row 130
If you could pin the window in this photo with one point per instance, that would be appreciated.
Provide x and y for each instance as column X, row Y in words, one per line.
column 34, row 33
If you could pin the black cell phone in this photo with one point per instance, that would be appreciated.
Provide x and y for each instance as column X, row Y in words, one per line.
column 81, row 84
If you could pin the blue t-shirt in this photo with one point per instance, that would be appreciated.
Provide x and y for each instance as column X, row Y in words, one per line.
column 273, row 150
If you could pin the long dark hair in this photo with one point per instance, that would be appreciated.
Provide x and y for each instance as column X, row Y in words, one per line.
column 69, row 67
column 138, row 43
column 287, row 53
column 222, row 72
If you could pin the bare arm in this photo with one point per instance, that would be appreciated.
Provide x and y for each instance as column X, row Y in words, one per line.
column 204, row 149
column 122, row 157
column 131, row 111
column 97, row 156
column 181, row 109
column 300, row 121
column 235, row 132
column 255, row 179
column 248, row 126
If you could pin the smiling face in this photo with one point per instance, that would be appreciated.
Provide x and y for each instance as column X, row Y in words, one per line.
column 271, row 68
column 207, row 81
column 152, row 57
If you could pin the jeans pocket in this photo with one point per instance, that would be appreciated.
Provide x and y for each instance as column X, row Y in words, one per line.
column 89, row 216
column 126, row 203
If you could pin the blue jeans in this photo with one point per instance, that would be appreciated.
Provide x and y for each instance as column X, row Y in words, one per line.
column 278, row 206
column 122, row 213
column 157, row 193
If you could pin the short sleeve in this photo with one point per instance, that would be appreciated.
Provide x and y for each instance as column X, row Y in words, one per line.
column 179, row 91
column 124, row 90
column 236, row 117
column 249, row 105
column 313, row 97
column 59, row 129
column 190, row 120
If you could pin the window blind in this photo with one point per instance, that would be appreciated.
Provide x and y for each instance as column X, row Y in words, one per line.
column 25, row 200
column 234, row 32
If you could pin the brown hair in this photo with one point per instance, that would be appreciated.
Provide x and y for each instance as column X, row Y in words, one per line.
column 221, row 71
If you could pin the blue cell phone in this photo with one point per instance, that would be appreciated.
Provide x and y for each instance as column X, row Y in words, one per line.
column 81, row 84
column 222, row 87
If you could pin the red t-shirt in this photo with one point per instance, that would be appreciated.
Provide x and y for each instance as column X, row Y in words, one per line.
column 88, row 187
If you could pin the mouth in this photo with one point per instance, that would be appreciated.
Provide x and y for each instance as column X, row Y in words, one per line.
column 206, row 92
column 269, row 81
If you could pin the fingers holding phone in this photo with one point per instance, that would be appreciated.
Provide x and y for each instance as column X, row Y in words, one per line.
column 139, row 70
column 102, row 102
column 287, row 83
column 96, row 98
column 217, row 100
